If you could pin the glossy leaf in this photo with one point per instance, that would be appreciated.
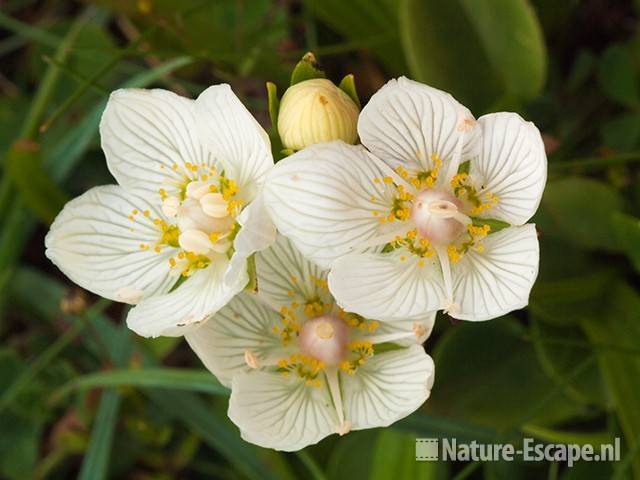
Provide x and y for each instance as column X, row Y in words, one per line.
column 620, row 369
column 482, row 51
column 578, row 211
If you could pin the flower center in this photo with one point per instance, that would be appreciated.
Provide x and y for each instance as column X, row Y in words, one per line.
column 204, row 217
column 438, row 216
column 325, row 339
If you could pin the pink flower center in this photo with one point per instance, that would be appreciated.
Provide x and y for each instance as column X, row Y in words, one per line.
column 325, row 339
column 438, row 217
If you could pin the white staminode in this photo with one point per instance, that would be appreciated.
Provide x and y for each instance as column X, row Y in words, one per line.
column 301, row 368
column 187, row 204
column 408, row 221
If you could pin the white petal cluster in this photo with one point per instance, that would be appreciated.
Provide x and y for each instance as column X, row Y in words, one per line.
column 428, row 214
column 187, row 206
column 406, row 222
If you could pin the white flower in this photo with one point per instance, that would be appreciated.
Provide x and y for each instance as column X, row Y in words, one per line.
column 394, row 220
column 300, row 368
column 187, row 205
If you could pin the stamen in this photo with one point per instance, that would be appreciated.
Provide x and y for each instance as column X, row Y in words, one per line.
column 334, row 388
column 446, row 273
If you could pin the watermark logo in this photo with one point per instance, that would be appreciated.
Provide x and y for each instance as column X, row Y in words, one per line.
column 433, row 449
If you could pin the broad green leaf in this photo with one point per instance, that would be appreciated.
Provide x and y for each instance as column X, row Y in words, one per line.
column 571, row 285
column 488, row 374
column 371, row 23
column 627, row 230
column 622, row 133
column 19, row 445
column 618, row 76
column 578, row 211
column 559, row 350
column 621, row 369
column 394, row 456
column 171, row 378
column 430, row 425
column 482, row 51
column 39, row 192
column 352, row 456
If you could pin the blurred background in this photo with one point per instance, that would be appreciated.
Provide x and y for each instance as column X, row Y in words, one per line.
column 83, row 397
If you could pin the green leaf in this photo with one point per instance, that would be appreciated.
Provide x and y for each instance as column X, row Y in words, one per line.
column 550, row 435
column 172, row 378
column 578, row 211
column 97, row 459
column 216, row 432
column 621, row 370
column 370, row 24
column 440, row 426
column 274, row 104
column 394, row 456
column 622, row 133
column 480, row 50
column 559, row 350
column 487, row 372
column 19, row 445
column 306, row 69
column 95, row 464
column 39, row 192
column 627, row 231
column 348, row 86
column 618, row 77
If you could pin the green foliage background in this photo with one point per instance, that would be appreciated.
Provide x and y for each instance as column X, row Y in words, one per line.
column 81, row 396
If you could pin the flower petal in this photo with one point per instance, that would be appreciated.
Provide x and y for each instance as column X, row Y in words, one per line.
column 387, row 287
column 285, row 276
column 188, row 306
column 325, row 200
column 388, row 387
column 512, row 165
column 274, row 411
column 100, row 244
column 236, row 139
column 498, row 280
column 148, row 136
column 257, row 232
column 407, row 122
column 243, row 325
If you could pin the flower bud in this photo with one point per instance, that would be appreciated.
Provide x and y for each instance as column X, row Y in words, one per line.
column 315, row 111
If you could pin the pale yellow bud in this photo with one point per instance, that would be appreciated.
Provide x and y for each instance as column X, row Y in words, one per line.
column 315, row 111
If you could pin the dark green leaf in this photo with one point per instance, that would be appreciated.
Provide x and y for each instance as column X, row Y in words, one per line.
column 39, row 192
column 620, row 370
column 370, row 23
column 578, row 211
column 480, row 50
column 618, row 77
column 487, row 372
column 627, row 231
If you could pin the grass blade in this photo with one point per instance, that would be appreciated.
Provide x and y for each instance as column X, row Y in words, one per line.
column 171, row 378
